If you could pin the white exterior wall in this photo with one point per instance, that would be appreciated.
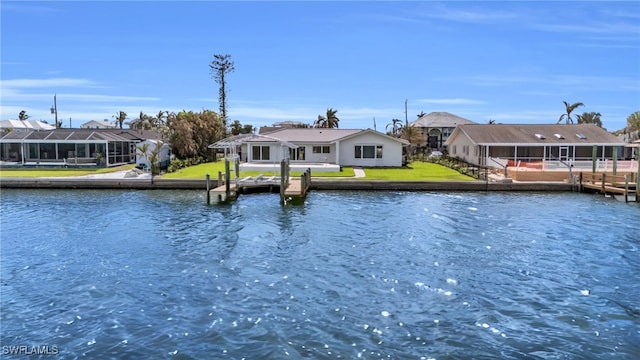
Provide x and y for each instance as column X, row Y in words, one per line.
column 462, row 147
column 141, row 158
column 391, row 151
column 310, row 157
column 276, row 152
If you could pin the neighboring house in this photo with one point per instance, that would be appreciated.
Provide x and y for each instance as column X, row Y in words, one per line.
column 142, row 158
column 339, row 147
column 99, row 124
column 26, row 125
column 104, row 147
column 540, row 147
column 436, row 127
column 633, row 144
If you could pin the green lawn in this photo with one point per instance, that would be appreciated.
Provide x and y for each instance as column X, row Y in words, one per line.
column 200, row 172
column 58, row 172
column 416, row 171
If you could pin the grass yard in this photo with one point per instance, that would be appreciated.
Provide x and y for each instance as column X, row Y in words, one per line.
column 200, row 172
column 58, row 172
column 416, row 171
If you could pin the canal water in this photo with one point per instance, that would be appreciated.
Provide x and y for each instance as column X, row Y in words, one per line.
column 371, row 275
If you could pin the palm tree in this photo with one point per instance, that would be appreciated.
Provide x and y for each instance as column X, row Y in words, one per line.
column 422, row 113
column 143, row 122
column 633, row 122
column 329, row 121
column 144, row 150
column 491, row 122
column 590, row 118
column 236, row 127
column 23, row 116
column 120, row 117
column 160, row 119
column 396, row 125
column 570, row 108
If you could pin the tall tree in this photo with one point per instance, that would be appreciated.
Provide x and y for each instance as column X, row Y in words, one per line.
column 236, row 127
column 143, row 122
column 396, row 125
column 569, row 109
column 190, row 133
column 160, row 119
column 590, row 118
column 219, row 68
column 23, row 116
column 633, row 122
column 329, row 121
column 120, row 117
column 411, row 134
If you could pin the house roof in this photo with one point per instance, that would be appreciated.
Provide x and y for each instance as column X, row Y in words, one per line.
column 312, row 135
column 539, row 134
column 25, row 125
column 77, row 135
column 101, row 123
column 290, row 136
column 440, row 119
column 240, row 139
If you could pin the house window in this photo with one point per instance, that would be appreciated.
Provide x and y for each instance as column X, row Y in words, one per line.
column 321, row 150
column 453, row 149
column 368, row 151
column 259, row 152
column 297, row 154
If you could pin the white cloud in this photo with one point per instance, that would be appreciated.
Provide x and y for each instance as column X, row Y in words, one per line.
column 453, row 101
column 467, row 14
column 45, row 83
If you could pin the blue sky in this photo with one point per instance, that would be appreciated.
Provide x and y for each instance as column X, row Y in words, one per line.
column 514, row 62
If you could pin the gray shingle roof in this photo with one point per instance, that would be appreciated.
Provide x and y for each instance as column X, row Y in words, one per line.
column 440, row 120
column 311, row 135
column 484, row 134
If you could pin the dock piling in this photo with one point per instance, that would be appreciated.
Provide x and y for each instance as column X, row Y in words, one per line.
column 208, row 189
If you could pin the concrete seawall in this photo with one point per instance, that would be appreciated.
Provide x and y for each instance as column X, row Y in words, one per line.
column 193, row 184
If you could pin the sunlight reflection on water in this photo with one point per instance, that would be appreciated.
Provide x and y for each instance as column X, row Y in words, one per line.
column 347, row 274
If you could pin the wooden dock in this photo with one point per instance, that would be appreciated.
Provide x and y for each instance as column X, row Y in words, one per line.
column 292, row 189
column 608, row 184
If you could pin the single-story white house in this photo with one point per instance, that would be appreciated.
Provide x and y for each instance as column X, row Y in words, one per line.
column 58, row 147
column 146, row 148
column 99, row 124
column 320, row 149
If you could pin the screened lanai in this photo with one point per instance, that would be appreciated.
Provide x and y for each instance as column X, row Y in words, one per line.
column 69, row 147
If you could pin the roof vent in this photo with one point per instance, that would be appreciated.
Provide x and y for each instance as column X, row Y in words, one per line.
column 559, row 136
column 581, row 136
column 540, row 136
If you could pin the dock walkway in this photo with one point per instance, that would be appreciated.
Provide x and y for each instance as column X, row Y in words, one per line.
column 608, row 184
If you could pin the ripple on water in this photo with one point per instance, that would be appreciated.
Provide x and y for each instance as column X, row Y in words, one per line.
column 346, row 274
